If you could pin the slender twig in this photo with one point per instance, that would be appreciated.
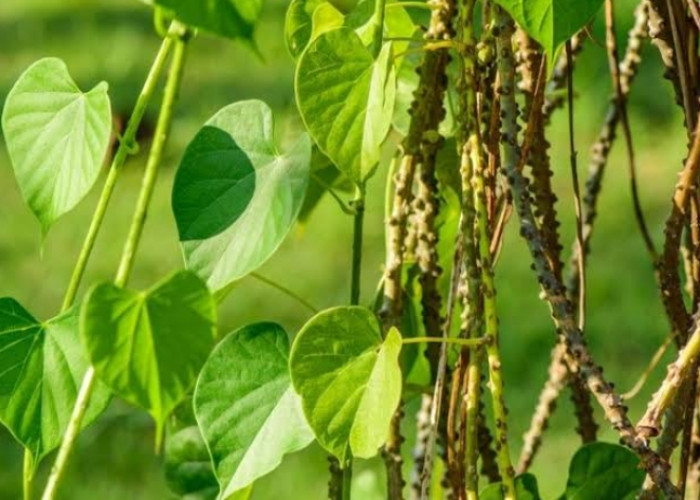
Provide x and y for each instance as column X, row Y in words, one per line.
column 308, row 305
column 129, row 252
column 614, row 63
column 658, row 355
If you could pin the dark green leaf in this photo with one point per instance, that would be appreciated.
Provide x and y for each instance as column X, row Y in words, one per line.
column 604, row 470
column 213, row 186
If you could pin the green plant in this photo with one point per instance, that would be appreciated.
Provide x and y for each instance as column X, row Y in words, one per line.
column 462, row 112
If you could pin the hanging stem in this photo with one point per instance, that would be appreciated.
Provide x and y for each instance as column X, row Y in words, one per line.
column 301, row 300
column 27, row 475
column 359, row 216
column 378, row 20
column 150, row 175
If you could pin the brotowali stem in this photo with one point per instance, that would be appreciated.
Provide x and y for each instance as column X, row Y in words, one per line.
column 150, row 176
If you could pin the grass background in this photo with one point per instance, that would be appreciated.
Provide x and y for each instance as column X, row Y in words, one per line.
column 113, row 40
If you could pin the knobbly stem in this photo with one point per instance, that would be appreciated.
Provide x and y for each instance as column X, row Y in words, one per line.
column 135, row 232
column 578, row 358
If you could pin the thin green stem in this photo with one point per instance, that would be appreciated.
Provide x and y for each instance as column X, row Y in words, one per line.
column 471, row 343
column 125, row 147
column 378, row 21
column 153, row 165
column 150, row 175
column 409, row 5
column 345, row 209
column 359, row 208
column 27, row 475
column 347, row 479
column 285, row 291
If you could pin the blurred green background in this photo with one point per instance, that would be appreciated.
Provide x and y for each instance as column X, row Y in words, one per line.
column 113, row 40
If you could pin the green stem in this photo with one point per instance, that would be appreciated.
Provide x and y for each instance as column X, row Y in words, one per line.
column 471, row 343
column 409, row 5
column 378, row 21
column 285, row 291
column 125, row 147
column 27, row 474
column 150, row 175
column 347, row 479
column 359, row 207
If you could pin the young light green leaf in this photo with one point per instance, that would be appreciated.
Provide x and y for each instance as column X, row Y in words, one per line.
column 525, row 488
column 603, row 470
column 227, row 18
column 148, row 347
column 348, row 378
column 248, row 413
column 57, row 137
column 41, row 368
column 346, row 99
column 298, row 25
column 250, row 229
column 551, row 22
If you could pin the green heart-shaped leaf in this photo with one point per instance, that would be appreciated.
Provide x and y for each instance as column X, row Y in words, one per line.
column 348, row 378
column 247, row 410
column 604, row 470
column 525, row 488
column 149, row 346
column 57, row 137
column 227, row 18
column 41, row 369
column 551, row 22
column 251, row 228
column 346, row 99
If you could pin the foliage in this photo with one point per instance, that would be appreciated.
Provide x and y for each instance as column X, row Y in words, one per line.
column 234, row 411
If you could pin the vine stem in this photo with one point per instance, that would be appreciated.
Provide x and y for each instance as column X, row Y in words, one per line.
column 125, row 146
column 358, row 225
column 128, row 255
column 378, row 19
column 471, row 343
column 27, row 473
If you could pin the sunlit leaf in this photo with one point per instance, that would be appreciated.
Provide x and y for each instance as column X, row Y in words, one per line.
column 246, row 408
column 245, row 228
column 348, row 378
column 57, row 137
column 148, row 347
column 346, row 98
column 41, row 368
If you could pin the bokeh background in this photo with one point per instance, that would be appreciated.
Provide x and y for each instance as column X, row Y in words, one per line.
column 113, row 40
